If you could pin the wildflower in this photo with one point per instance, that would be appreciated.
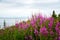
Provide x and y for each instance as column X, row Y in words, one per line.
column 51, row 19
column 26, row 26
column 44, row 31
column 57, row 28
column 17, row 25
column 51, row 22
column 21, row 25
column 28, row 37
column 41, row 22
column 40, row 16
column 33, row 22
column 36, row 32
column 51, row 33
column 59, row 38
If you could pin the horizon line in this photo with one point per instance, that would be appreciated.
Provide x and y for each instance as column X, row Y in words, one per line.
column 13, row 17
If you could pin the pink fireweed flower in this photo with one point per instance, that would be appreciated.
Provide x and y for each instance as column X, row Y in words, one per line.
column 29, row 37
column 21, row 25
column 17, row 25
column 59, row 33
column 51, row 19
column 39, row 16
column 58, row 24
column 57, row 28
column 44, row 31
column 36, row 32
column 26, row 26
column 33, row 22
column 59, row 38
column 51, row 22
column 41, row 21
column 51, row 33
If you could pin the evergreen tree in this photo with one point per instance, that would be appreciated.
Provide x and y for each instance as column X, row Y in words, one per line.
column 4, row 24
column 54, row 15
column 59, row 17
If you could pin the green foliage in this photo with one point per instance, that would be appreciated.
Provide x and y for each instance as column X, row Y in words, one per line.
column 54, row 15
column 59, row 17
column 13, row 33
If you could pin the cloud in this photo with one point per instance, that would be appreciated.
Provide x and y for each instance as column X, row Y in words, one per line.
column 15, row 12
column 10, row 5
column 15, row 3
column 15, row 8
column 48, row 5
column 28, row 3
column 46, row 1
column 18, row 1
column 31, row 1
column 25, row 12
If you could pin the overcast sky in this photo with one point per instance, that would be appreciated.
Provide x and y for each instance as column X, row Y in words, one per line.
column 25, row 8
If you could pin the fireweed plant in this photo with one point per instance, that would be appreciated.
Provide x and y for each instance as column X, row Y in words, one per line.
column 36, row 28
column 41, row 28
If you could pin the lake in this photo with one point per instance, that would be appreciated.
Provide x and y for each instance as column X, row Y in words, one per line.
column 10, row 21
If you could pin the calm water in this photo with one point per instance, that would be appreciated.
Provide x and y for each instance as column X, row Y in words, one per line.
column 10, row 21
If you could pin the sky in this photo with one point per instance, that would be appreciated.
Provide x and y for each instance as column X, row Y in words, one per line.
column 25, row 8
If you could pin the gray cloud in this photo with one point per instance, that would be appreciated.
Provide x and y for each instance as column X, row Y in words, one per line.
column 14, row 7
column 35, row 4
